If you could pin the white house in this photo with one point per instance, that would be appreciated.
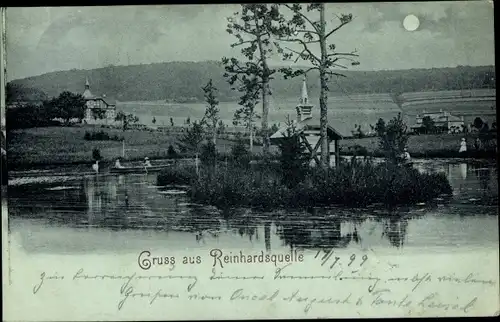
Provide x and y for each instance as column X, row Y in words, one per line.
column 443, row 121
column 99, row 109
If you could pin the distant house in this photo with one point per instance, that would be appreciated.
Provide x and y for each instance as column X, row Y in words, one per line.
column 307, row 129
column 443, row 122
column 99, row 109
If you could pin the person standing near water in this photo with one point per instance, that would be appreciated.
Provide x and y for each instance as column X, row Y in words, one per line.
column 463, row 146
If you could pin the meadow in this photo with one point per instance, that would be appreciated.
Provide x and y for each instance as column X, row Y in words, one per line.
column 66, row 145
column 344, row 111
column 428, row 145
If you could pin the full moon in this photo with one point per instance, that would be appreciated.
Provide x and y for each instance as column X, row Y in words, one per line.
column 411, row 22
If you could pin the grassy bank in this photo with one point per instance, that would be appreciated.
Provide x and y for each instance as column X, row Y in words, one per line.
column 421, row 146
column 354, row 184
column 56, row 146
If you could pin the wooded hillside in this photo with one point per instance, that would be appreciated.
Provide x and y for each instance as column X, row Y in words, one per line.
column 182, row 82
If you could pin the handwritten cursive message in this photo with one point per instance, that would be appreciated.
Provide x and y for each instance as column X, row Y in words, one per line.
column 334, row 280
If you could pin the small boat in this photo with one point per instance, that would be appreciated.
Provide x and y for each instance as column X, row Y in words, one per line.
column 140, row 169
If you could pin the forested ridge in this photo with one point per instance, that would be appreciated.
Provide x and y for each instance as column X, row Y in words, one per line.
column 182, row 82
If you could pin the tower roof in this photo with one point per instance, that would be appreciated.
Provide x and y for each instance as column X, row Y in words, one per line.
column 304, row 99
column 304, row 108
column 87, row 94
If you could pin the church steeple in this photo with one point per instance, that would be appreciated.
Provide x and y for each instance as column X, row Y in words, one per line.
column 304, row 108
column 304, row 98
column 87, row 94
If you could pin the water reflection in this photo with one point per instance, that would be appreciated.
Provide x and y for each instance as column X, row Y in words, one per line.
column 395, row 230
column 317, row 233
column 134, row 203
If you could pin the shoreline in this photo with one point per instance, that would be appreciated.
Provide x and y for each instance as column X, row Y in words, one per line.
column 44, row 166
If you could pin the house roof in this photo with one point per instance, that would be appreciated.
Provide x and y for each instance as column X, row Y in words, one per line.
column 87, row 94
column 307, row 124
column 107, row 100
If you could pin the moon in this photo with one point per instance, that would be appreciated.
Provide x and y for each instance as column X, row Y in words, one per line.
column 411, row 23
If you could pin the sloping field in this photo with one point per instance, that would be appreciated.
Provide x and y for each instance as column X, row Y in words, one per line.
column 344, row 112
column 448, row 94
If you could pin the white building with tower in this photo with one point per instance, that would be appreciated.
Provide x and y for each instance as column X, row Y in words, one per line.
column 307, row 129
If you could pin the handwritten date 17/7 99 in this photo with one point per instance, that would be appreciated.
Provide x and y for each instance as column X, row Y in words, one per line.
column 327, row 258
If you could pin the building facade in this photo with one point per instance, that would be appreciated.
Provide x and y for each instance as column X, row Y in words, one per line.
column 99, row 109
column 443, row 122
column 307, row 129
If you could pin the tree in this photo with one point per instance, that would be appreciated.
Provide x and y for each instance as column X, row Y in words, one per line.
column 211, row 118
column 428, row 124
column 240, row 154
column 393, row 140
column 358, row 132
column 379, row 127
column 96, row 154
column 305, row 32
column 171, row 153
column 252, row 29
column 293, row 158
column 126, row 119
column 208, row 155
column 478, row 123
column 67, row 106
column 98, row 113
column 246, row 116
column 192, row 139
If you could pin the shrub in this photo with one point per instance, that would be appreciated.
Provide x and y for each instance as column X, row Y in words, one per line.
column 100, row 136
column 171, row 153
column 393, row 137
column 96, row 154
column 353, row 183
column 208, row 154
column 240, row 154
column 294, row 161
column 177, row 174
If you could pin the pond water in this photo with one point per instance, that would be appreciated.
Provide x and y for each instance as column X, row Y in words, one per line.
column 129, row 213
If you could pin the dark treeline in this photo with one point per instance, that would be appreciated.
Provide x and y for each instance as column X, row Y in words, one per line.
column 181, row 82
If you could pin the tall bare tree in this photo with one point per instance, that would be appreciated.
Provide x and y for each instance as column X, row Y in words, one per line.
column 252, row 29
column 307, row 32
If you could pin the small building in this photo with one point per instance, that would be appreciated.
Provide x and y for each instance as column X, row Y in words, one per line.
column 99, row 109
column 443, row 122
column 307, row 129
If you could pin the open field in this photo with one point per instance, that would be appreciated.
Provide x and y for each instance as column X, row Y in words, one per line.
column 344, row 111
